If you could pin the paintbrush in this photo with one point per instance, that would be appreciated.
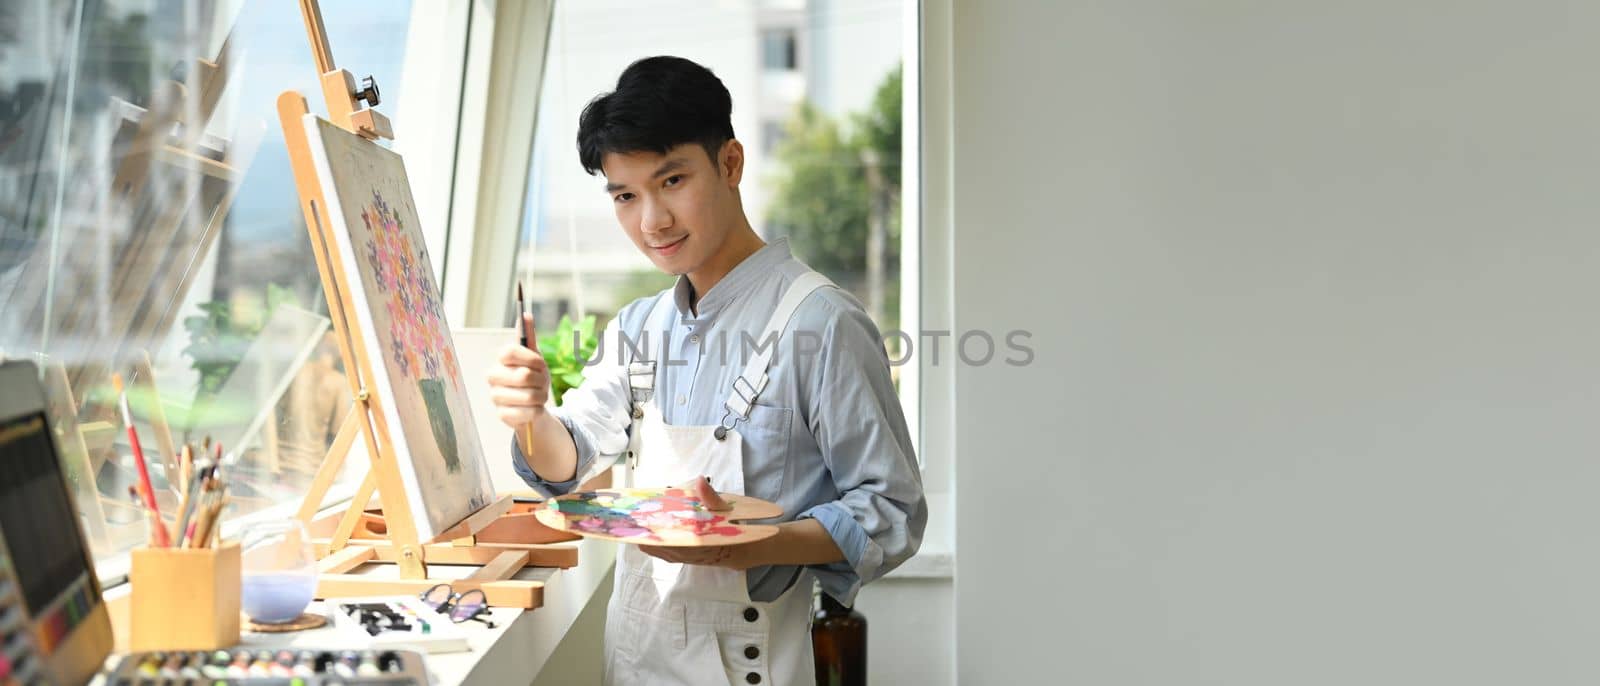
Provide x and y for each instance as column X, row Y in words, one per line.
column 146, row 491
column 138, row 504
column 185, row 469
column 152, row 519
column 192, row 526
column 207, row 528
column 524, row 432
column 216, row 517
column 197, row 521
column 191, row 498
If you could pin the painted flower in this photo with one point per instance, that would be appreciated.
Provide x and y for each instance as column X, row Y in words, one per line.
column 398, row 264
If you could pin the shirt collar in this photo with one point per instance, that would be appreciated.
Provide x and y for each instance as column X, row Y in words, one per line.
column 740, row 280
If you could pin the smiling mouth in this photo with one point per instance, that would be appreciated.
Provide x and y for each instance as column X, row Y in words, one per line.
column 669, row 246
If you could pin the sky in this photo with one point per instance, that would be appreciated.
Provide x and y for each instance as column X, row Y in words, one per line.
column 367, row 38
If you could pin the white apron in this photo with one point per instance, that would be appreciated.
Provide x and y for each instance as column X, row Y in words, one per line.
column 670, row 623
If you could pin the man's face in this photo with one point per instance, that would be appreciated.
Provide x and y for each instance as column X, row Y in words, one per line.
column 678, row 207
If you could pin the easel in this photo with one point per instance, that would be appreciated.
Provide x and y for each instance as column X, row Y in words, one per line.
column 75, row 453
column 394, row 537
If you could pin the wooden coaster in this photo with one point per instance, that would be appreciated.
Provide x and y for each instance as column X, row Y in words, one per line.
column 306, row 620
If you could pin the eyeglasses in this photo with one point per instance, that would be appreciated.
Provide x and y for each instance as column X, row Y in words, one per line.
column 459, row 607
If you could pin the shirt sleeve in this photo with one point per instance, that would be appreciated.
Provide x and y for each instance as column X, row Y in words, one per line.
column 855, row 415
column 596, row 414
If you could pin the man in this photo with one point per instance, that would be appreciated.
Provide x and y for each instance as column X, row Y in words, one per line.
column 751, row 373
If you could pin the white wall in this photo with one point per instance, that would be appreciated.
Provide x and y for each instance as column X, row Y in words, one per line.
column 910, row 629
column 1313, row 291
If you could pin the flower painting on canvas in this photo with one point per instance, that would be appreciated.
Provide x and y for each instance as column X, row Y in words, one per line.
column 417, row 343
column 396, row 305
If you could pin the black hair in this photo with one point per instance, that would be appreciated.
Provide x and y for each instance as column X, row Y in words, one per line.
column 660, row 102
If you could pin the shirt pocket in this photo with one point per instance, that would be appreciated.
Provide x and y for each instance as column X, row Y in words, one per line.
column 765, row 434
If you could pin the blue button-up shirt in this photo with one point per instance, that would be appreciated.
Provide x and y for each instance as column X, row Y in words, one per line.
column 826, row 440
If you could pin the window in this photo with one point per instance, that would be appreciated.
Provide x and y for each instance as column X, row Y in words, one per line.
column 772, row 134
column 149, row 227
column 779, row 50
column 823, row 145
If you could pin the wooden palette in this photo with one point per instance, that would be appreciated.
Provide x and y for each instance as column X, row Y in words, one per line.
column 658, row 516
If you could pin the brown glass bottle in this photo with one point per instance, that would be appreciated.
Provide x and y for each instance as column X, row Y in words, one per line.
column 839, row 640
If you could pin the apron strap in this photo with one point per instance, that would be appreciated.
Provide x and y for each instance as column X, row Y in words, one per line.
column 753, row 381
column 642, row 370
column 641, row 378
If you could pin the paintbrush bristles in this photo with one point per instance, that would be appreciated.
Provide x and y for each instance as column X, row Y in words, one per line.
column 522, row 324
column 122, row 400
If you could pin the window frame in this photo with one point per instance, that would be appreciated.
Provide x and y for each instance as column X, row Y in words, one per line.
column 927, row 390
column 429, row 103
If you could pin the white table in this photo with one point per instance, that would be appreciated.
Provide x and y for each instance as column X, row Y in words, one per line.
column 513, row 652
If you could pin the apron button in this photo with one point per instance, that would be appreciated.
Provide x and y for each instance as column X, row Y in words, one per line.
column 751, row 614
column 752, row 652
column 752, row 678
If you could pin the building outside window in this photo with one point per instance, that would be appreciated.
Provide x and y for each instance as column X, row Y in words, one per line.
column 780, row 49
column 822, row 139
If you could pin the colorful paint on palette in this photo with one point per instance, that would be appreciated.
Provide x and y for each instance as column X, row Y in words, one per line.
column 648, row 515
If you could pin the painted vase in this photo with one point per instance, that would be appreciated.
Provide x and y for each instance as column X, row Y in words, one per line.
column 444, row 428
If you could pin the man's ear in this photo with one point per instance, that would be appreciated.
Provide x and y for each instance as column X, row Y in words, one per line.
column 730, row 161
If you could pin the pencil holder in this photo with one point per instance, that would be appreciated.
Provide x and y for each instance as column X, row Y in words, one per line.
column 184, row 598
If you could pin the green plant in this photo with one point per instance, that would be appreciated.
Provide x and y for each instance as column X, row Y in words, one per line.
column 837, row 188
column 220, row 335
column 565, row 350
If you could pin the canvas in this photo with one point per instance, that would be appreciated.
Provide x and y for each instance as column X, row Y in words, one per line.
column 397, row 305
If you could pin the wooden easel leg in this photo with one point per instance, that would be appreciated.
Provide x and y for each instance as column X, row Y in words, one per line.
column 346, row 560
column 352, row 515
column 58, row 393
column 331, row 464
column 411, row 562
column 503, row 566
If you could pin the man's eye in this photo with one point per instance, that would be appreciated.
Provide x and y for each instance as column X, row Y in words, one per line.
column 623, row 197
column 672, row 181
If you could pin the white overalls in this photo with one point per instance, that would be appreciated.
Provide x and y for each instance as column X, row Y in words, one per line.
column 671, row 623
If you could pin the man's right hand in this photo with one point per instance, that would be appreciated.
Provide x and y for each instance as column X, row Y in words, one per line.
column 520, row 384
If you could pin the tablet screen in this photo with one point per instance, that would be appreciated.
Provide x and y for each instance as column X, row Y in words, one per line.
column 46, row 559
